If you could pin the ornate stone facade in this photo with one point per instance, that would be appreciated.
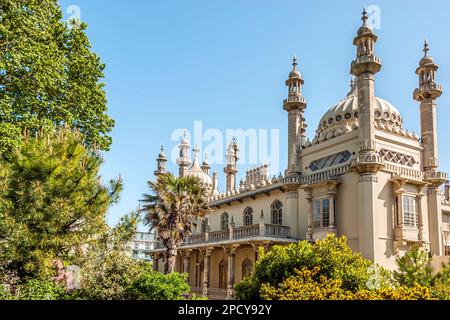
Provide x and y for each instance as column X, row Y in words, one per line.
column 362, row 175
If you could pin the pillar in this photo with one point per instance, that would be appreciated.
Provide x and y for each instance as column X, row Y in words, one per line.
column 309, row 212
column 206, row 266
column 231, row 272
column 435, row 221
column 366, row 214
column 292, row 212
column 155, row 263
column 187, row 264
column 332, row 192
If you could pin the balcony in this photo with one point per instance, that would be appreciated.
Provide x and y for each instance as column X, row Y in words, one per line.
column 251, row 232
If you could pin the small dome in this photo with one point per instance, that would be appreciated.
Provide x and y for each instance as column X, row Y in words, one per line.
column 197, row 172
column 427, row 60
column 295, row 74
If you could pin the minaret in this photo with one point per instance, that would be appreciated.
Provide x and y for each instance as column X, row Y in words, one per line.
column 161, row 163
column 184, row 160
column 231, row 168
column 205, row 165
column 295, row 106
column 367, row 163
column 427, row 93
column 364, row 67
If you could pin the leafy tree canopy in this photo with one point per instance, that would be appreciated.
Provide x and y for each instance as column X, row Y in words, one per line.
column 48, row 75
column 53, row 203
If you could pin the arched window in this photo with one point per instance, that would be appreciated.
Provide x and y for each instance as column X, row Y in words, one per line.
column 224, row 221
column 223, row 266
column 276, row 210
column 247, row 268
column 204, row 225
column 248, row 216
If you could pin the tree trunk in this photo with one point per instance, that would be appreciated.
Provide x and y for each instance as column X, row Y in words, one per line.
column 171, row 256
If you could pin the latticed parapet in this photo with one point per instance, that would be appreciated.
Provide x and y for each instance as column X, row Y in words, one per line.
column 365, row 64
column 427, row 91
column 436, row 178
column 367, row 163
column 294, row 102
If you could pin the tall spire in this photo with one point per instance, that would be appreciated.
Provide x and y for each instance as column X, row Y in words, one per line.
column 364, row 17
column 425, row 48
column 161, row 163
column 295, row 105
column 184, row 160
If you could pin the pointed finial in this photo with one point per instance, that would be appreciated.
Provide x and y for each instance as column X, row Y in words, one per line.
column 364, row 16
column 162, row 148
column 351, row 82
column 425, row 48
column 196, row 150
column 294, row 61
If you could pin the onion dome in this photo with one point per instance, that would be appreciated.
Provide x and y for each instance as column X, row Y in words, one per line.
column 197, row 172
column 343, row 116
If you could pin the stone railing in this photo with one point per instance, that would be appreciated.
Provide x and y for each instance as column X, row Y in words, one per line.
column 330, row 174
column 218, row 236
column 275, row 230
column 436, row 175
column 406, row 173
column 245, row 232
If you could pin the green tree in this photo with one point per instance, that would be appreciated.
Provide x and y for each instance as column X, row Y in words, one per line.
column 151, row 285
column 171, row 210
column 48, row 75
column 414, row 267
column 52, row 203
column 336, row 261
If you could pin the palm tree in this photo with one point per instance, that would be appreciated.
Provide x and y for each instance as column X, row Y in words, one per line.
column 171, row 211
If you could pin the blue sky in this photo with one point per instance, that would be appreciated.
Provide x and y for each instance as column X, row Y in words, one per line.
column 224, row 62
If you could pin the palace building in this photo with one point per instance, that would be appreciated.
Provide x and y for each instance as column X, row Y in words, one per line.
column 362, row 175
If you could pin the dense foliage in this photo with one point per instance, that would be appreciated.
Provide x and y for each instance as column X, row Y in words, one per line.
column 48, row 75
column 151, row 285
column 329, row 270
column 335, row 259
column 172, row 209
column 309, row 285
column 414, row 268
column 52, row 203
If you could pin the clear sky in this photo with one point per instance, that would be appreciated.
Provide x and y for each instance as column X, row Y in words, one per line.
column 224, row 62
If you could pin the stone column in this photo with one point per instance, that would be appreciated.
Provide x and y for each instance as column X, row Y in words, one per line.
column 435, row 221
column 231, row 271
column 292, row 212
column 187, row 264
column 367, row 232
column 155, row 262
column 332, row 191
column 420, row 215
column 309, row 212
column 206, row 267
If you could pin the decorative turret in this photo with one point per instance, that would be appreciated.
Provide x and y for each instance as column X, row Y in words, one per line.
column 366, row 61
column 184, row 160
column 205, row 165
column 295, row 105
column 427, row 93
column 231, row 168
column 364, row 68
column 161, row 163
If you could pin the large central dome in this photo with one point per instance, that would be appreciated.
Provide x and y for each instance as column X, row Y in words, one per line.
column 343, row 118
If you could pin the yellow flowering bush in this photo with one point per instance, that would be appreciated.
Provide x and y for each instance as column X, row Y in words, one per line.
column 310, row 285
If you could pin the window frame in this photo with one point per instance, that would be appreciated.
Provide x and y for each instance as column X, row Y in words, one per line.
column 408, row 215
column 276, row 214
column 320, row 220
column 247, row 215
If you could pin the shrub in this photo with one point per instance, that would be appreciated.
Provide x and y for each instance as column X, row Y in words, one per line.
column 310, row 285
column 38, row 289
column 335, row 260
column 151, row 285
